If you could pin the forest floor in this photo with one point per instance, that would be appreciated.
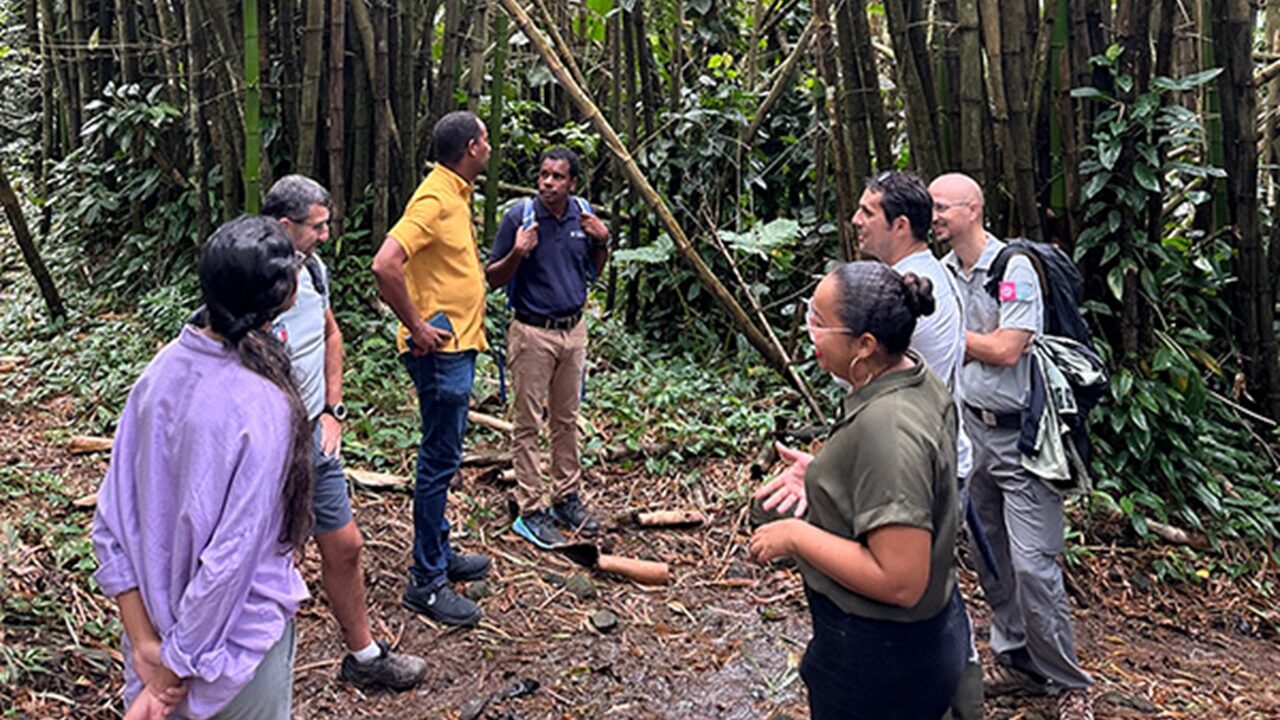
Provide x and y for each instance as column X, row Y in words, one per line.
column 723, row 641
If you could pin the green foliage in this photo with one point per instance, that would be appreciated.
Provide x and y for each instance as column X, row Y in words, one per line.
column 112, row 201
column 1169, row 448
column 44, row 552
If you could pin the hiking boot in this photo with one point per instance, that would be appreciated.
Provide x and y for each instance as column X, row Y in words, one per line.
column 1075, row 704
column 440, row 603
column 389, row 670
column 538, row 528
column 463, row 568
column 571, row 514
column 1001, row 679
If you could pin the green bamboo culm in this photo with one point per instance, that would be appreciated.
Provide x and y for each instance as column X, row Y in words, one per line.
column 252, row 110
column 496, row 92
column 1057, row 46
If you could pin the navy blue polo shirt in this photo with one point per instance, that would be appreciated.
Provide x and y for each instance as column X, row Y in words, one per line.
column 551, row 280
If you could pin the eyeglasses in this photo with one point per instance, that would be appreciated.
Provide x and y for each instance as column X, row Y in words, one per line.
column 315, row 227
column 941, row 207
column 815, row 329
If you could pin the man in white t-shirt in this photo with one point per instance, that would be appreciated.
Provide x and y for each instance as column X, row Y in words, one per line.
column 893, row 219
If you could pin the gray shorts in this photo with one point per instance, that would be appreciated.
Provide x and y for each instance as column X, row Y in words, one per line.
column 332, row 506
column 269, row 695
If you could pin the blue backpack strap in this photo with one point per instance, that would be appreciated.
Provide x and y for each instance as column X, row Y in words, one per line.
column 589, row 268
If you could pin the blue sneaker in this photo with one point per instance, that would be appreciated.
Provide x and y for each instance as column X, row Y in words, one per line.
column 538, row 528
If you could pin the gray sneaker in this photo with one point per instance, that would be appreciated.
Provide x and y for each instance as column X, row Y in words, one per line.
column 389, row 670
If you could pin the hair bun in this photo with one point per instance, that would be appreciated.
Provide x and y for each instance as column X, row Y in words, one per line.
column 919, row 294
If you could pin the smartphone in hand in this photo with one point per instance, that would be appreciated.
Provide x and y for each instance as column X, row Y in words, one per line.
column 439, row 321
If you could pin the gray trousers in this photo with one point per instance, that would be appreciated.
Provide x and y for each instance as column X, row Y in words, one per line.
column 1023, row 519
column 269, row 695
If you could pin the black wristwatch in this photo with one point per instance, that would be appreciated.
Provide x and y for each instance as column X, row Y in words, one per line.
column 338, row 411
column 598, row 245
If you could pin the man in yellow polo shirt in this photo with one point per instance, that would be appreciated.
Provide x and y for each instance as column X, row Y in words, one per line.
column 429, row 272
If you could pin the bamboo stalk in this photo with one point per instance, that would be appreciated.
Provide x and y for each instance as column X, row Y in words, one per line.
column 252, row 110
column 771, row 352
column 337, row 129
column 781, row 78
column 496, row 92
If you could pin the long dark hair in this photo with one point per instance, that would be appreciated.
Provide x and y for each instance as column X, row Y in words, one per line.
column 248, row 275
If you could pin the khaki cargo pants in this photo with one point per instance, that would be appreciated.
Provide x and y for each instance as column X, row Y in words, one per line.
column 546, row 372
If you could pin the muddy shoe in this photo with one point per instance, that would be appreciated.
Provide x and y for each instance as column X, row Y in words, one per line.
column 538, row 528
column 389, row 670
column 1075, row 704
column 464, row 568
column 1000, row 679
column 442, row 604
column 573, row 515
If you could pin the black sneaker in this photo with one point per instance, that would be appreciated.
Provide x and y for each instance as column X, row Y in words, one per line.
column 538, row 528
column 389, row 670
column 571, row 514
column 463, row 568
column 442, row 604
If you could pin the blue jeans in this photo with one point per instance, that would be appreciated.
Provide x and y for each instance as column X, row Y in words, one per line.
column 443, row 382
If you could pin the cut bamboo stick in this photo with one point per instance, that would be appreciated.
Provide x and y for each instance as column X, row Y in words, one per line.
column 85, row 444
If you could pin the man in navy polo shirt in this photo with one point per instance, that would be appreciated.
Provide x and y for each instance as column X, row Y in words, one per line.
column 546, row 251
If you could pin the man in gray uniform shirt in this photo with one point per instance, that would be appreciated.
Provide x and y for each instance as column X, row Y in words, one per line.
column 311, row 335
column 1030, row 622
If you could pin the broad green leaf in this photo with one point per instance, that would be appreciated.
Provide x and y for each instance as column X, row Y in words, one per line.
column 1115, row 281
column 1146, row 177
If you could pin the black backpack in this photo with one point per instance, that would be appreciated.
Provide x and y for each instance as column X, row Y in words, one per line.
column 1060, row 281
column 1063, row 288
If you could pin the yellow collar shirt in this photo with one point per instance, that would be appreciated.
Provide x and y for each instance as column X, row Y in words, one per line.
column 443, row 273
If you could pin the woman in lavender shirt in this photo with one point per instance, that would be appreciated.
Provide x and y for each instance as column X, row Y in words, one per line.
column 207, row 503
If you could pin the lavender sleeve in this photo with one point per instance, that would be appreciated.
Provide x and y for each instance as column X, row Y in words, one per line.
column 247, row 527
column 115, row 574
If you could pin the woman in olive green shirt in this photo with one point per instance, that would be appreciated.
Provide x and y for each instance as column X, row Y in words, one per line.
column 876, row 545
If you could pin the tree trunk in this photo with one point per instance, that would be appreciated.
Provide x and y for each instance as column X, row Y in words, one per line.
column 362, row 123
column 127, row 40
column 196, row 123
column 406, row 81
column 21, row 233
column 336, row 124
column 973, row 104
column 442, row 100
column 79, row 41
column 381, row 124
column 880, row 129
column 911, row 79
column 69, row 136
column 946, row 74
column 1013, row 33
column 252, row 110
column 853, row 98
column 312, row 47
column 1233, row 26
column 648, row 69
column 845, row 201
column 497, row 90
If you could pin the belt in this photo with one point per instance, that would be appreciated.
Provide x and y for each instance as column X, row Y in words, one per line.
column 1008, row 421
column 567, row 322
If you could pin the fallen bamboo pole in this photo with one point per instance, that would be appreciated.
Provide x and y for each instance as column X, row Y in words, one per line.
column 772, row 354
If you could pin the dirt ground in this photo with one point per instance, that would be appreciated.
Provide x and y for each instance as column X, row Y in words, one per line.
column 723, row 641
